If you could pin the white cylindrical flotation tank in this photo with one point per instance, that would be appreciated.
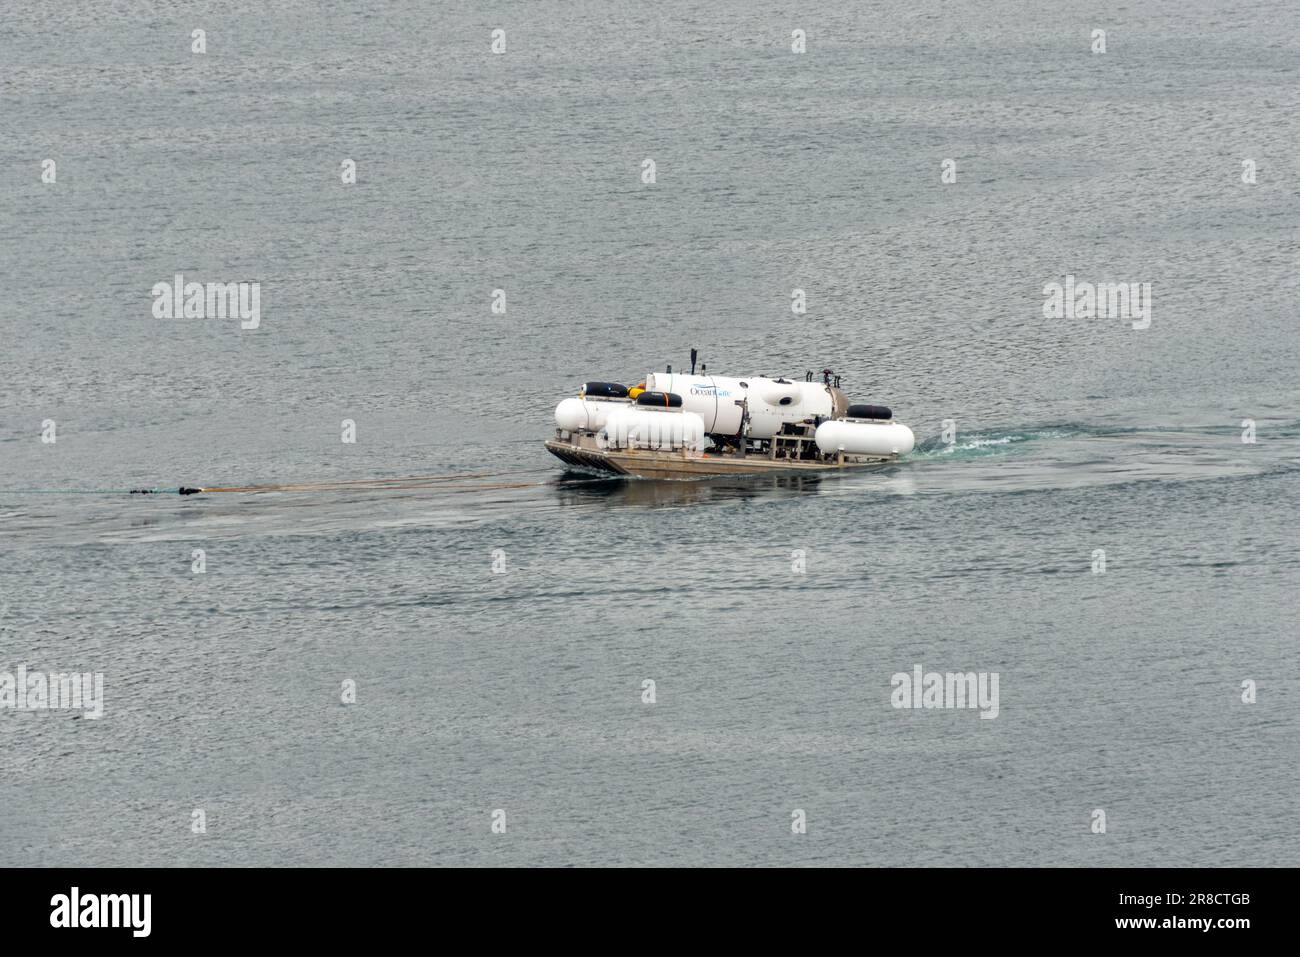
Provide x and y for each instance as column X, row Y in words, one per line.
column 585, row 415
column 865, row 438
column 667, row 430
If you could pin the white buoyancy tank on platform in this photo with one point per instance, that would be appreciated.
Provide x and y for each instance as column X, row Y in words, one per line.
column 865, row 438
column 585, row 415
column 771, row 402
column 667, row 430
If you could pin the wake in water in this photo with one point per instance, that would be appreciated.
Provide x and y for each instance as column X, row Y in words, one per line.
column 1042, row 456
column 986, row 442
column 1075, row 455
column 460, row 481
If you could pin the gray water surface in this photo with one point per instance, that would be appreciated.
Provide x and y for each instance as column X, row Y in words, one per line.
column 522, row 691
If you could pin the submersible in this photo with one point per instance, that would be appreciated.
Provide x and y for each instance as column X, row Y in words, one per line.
column 673, row 425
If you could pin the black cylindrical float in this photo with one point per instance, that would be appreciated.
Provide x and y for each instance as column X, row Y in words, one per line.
column 870, row 412
column 664, row 400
